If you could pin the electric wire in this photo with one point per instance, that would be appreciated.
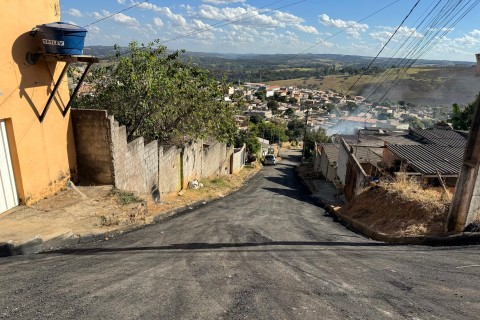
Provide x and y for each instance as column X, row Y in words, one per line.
column 346, row 28
column 232, row 20
column 114, row 14
column 383, row 47
column 454, row 16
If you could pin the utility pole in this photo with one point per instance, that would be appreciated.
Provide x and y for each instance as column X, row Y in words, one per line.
column 465, row 206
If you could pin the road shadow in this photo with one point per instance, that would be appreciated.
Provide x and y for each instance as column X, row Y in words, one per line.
column 213, row 246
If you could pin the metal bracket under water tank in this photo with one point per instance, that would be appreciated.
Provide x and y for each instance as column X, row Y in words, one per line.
column 32, row 58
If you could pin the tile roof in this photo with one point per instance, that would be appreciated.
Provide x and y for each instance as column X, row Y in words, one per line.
column 429, row 158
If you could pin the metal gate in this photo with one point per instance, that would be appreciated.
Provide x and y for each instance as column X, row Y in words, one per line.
column 8, row 190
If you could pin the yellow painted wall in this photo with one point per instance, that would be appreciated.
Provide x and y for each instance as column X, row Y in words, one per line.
column 43, row 153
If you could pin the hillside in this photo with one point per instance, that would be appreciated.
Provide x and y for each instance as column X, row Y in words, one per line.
column 428, row 82
column 421, row 85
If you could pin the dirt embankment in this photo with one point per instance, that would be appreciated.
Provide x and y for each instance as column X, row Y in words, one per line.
column 390, row 212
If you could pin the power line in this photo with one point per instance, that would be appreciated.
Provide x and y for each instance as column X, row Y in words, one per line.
column 114, row 14
column 435, row 32
column 231, row 21
column 381, row 50
column 346, row 28
column 220, row 23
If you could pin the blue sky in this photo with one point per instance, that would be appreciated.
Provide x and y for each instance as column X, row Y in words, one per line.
column 281, row 26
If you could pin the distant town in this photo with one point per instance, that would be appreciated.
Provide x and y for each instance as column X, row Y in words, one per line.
column 335, row 112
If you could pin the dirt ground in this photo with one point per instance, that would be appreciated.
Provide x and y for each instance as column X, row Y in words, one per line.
column 96, row 209
column 391, row 213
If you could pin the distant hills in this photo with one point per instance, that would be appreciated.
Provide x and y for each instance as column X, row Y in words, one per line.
column 428, row 82
column 208, row 59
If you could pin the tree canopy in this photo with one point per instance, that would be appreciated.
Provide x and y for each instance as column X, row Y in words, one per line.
column 157, row 96
column 462, row 119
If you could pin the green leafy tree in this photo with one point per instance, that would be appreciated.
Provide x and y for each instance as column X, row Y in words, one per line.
column 289, row 112
column 157, row 96
column 261, row 94
column 312, row 136
column 462, row 119
column 249, row 138
column 272, row 105
column 271, row 131
column 295, row 129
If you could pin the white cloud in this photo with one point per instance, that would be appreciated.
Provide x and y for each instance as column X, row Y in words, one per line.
column 467, row 40
column 223, row 1
column 175, row 19
column 121, row 1
column 352, row 28
column 250, row 16
column 306, row 29
column 474, row 33
column 288, row 17
column 324, row 43
column 93, row 29
column 75, row 12
column 125, row 20
column 97, row 15
column 403, row 32
column 158, row 22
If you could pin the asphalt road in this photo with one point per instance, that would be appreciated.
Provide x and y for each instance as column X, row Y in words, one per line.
column 265, row 252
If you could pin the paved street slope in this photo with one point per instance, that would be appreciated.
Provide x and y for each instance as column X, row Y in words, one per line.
column 265, row 252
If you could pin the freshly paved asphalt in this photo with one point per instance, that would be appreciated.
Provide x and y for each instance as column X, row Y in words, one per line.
column 265, row 252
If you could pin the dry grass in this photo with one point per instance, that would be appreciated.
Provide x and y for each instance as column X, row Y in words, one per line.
column 213, row 189
column 410, row 189
column 401, row 207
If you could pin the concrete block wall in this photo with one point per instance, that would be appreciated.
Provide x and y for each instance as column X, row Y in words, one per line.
column 214, row 157
column 238, row 159
column 342, row 161
column 93, row 146
column 106, row 157
column 119, row 149
column 151, row 161
column 226, row 166
column 128, row 159
column 169, row 170
column 192, row 162
column 355, row 179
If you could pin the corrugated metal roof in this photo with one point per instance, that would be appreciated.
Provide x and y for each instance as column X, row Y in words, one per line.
column 331, row 150
column 403, row 139
column 427, row 159
column 443, row 137
column 368, row 155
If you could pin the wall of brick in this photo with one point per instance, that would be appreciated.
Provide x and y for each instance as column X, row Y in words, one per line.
column 93, row 146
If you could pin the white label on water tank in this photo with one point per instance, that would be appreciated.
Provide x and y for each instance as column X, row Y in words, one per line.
column 53, row 42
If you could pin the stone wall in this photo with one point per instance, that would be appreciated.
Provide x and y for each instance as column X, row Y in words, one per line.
column 93, row 146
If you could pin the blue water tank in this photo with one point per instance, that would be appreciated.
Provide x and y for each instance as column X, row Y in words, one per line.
column 62, row 38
